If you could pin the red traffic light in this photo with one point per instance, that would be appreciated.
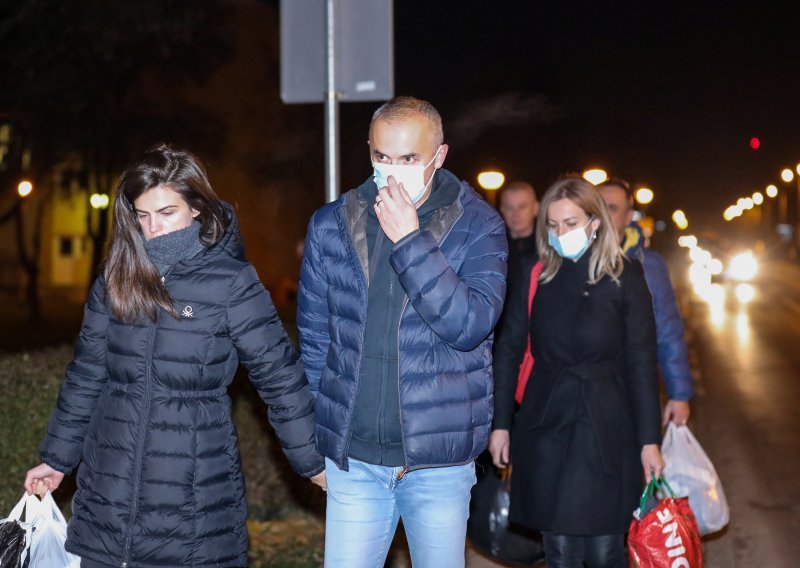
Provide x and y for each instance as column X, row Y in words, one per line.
column 755, row 143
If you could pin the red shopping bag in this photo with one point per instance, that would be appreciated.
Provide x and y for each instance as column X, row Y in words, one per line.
column 666, row 536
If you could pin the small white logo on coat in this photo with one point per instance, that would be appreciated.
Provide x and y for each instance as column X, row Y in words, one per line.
column 188, row 312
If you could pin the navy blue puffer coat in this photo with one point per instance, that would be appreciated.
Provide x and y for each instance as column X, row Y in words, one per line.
column 454, row 275
column 144, row 410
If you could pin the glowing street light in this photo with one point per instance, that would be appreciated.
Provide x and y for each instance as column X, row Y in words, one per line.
column 680, row 220
column 595, row 176
column 643, row 195
column 730, row 213
column 491, row 180
column 98, row 200
column 772, row 191
column 25, row 188
column 758, row 198
column 787, row 175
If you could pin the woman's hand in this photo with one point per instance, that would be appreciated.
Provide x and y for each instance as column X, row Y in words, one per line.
column 499, row 447
column 42, row 479
column 652, row 462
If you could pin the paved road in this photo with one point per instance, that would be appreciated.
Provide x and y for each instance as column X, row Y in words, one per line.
column 747, row 417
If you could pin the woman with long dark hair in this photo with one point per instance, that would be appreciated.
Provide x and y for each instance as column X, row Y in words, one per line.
column 588, row 428
column 143, row 408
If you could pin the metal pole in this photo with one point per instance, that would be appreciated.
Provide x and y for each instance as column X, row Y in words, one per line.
column 331, row 112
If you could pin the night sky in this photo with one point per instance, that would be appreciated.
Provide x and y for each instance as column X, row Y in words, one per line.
column 665, row 96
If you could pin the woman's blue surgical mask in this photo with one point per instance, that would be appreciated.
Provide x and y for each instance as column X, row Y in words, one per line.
column 571, row 244
column 411, row 176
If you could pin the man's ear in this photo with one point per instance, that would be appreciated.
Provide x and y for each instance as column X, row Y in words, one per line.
column 441, row 156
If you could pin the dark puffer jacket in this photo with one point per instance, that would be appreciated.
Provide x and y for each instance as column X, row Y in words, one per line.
column 673, row 358
column 144, row 409
column 453, row 273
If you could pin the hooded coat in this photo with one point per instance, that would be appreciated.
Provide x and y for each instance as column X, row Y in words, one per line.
column 144, row 410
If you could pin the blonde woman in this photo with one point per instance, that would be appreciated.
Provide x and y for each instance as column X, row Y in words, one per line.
column 587, row 433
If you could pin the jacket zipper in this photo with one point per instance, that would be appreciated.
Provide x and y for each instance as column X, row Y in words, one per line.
column 140, row 446
column 349, row 437
column 403, row 471
column 384, row 394
column 406, row 469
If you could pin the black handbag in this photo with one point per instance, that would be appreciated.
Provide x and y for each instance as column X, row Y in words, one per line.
column 488, row 527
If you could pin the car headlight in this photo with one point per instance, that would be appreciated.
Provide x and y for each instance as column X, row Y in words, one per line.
column 743, row 266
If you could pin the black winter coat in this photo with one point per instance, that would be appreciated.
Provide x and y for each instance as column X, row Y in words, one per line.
column 145, row 411
column 590, row 404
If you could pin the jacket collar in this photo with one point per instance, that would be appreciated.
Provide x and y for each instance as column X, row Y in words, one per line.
column 230, row 245
column 355, row 211
column 633, row 241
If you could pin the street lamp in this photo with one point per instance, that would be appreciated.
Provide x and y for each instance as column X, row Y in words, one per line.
column 25, row 188
column 772, row 190
column 595, row 176
column 758, row 198
column 98, row 200
column 680, row 220
column 643, row 195
column 787, row 175
column 491, row 180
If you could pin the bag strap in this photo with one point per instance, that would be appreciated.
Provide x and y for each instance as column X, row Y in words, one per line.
column 16, row 512
column 664, row 483
column 655, row 484
column 50, row 510
column 536, row 272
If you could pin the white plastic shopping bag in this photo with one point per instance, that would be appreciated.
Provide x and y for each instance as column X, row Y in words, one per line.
column 49, row 535
column 692, row 474
column 15, row 533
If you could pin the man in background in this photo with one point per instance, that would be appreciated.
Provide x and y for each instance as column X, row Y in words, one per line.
column 673, row 359
column 519, row 208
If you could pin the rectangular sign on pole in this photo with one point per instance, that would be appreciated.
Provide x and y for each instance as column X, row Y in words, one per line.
column 364, row 39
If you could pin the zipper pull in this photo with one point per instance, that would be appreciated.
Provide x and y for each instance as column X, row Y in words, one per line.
column 401, row 473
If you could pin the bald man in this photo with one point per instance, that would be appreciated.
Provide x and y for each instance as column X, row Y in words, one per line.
column 519, row 208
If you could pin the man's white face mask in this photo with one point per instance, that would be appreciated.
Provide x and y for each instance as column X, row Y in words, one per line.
column 411, row 176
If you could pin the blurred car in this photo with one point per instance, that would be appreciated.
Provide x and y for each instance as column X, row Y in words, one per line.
column 742, row 267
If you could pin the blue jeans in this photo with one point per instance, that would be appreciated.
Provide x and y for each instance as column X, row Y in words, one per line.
column 365, row 503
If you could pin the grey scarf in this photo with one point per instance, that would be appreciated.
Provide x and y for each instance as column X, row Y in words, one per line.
column 167, row 250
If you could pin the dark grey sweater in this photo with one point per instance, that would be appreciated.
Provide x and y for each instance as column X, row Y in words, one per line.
column 377, row 436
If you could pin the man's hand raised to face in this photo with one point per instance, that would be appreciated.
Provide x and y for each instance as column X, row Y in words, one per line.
column 396, row 213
